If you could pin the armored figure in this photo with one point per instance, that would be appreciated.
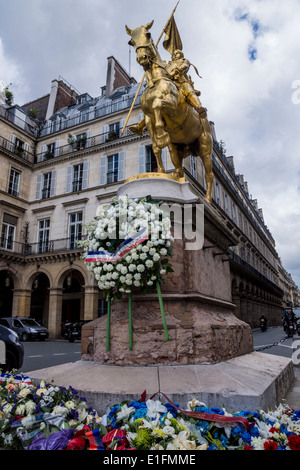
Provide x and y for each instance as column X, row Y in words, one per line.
column 177, row 70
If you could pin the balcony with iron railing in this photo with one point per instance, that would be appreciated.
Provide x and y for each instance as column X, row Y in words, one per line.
column 16, row 150
column 103, row 139
column 9, row 247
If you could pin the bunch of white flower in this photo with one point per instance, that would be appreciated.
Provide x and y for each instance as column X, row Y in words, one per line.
column 143, row 265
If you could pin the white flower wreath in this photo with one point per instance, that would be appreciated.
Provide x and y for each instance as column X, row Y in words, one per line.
column 145, row 262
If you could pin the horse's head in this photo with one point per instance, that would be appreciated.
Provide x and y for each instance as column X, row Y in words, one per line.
column 143, row 44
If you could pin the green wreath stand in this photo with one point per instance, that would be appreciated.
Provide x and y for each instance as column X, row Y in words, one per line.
column 162, row 310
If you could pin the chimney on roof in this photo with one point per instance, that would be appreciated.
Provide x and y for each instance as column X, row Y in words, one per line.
column 116, row 76
column 61, row 96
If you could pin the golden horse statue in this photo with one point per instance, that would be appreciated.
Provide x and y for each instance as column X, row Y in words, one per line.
column 172, row 117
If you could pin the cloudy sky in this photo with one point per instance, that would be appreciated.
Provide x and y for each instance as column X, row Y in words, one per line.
column 247, row 52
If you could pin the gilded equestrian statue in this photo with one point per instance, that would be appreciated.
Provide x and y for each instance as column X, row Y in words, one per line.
column 174, row 116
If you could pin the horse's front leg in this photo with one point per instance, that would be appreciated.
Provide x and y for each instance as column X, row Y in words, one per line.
column 162, row 137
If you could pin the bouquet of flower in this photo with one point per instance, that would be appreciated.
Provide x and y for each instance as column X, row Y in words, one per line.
column 28, row 411
column 118, row 256
column 153, row 425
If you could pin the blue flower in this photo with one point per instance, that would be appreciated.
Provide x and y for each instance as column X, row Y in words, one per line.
column 217, row 411
column 171, row 408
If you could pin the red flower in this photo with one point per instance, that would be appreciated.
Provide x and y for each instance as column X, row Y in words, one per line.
column 116, row 435
column 248, row 447
column 77, row 443
column 270, row 445
column 273, row 429
column 82, row 431
column 294, row 442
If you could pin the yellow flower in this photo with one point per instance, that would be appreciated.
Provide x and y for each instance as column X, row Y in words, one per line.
column 157, row 432
column 24, row 392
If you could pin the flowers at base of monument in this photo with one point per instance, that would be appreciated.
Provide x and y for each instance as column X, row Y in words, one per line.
column 128, row 246
column 27, row 410
column 152, row 425
column 63, row 421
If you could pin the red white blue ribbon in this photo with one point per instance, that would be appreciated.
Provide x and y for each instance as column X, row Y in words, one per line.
column 123, row 248
column 18, row 379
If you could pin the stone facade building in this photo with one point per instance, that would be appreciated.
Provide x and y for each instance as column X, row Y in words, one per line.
column 55, row 171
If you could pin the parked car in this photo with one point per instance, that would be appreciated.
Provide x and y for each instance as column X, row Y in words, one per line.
column 14, row 350
column 26, row 328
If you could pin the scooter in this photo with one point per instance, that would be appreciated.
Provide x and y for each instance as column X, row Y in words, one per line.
column 290, row 328
column 263, row 324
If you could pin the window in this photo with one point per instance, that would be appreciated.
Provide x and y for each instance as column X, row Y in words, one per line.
column 7, row 236
column 43, row 235
column 193, row 166
column 81, row 141
column 112, row 168
column 50, row 151
column 77, row 177
column 47, row 185
column 151, row 163
column 14, row 182
column 75, row 229
column 147, row 161
column 19, row 147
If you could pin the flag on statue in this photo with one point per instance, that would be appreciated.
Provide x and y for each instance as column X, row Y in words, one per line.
column 172, row 40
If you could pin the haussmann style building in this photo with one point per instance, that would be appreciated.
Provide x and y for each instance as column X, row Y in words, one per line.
column 61, row 156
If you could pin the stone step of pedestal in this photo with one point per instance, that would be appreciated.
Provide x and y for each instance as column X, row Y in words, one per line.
column 246, row 382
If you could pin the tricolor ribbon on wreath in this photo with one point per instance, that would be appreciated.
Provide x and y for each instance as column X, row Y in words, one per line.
column 124, row 248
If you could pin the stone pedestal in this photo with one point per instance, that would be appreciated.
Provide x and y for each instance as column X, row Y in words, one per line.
column 197, row 298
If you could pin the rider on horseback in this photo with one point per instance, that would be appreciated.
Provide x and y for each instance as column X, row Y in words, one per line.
column 177, row 70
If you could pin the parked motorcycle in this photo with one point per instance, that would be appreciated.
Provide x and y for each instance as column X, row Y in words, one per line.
column 74, row 331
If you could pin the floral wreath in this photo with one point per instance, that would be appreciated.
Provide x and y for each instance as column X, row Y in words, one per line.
column 127, row 248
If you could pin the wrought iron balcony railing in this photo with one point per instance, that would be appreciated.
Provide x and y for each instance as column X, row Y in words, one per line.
column 12, row 247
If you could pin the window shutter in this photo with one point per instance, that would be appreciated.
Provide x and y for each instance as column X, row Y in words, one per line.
column 44, row 150
column 85, row 175
column 122, row 122
column 56, row 149
column 70, row 172
column 121, row 166
column 12, row 142
column 38, row 193
column 88, row 138
column 142, row 159
column 53, row 183
column 103, row 170
column 105, row 131
column 26, row 149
